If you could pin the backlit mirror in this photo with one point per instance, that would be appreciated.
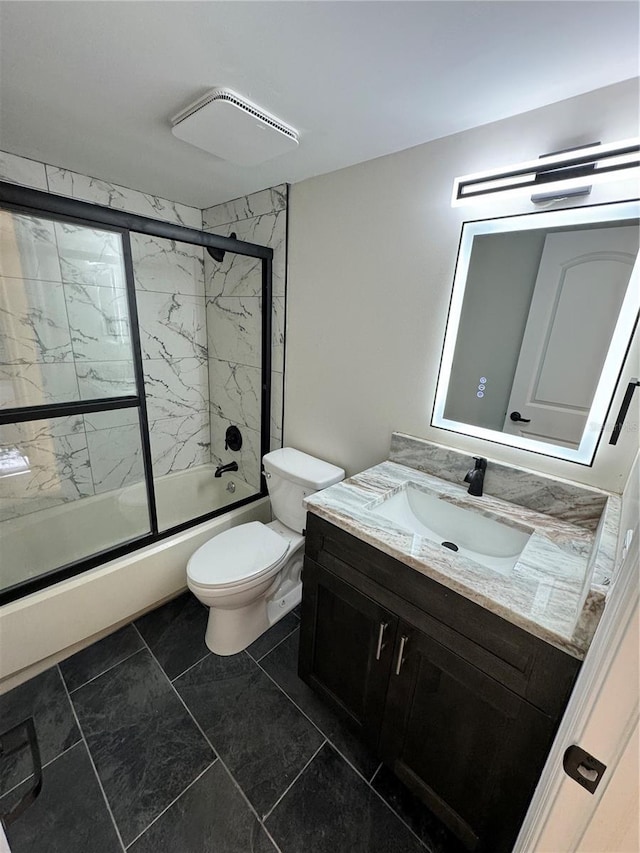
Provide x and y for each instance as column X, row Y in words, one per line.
column 541, row 317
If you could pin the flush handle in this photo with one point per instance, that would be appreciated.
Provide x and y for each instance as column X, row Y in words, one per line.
column 383, row 627
column 401, row 659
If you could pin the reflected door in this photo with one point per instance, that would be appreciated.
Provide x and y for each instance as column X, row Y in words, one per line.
column 580, row 287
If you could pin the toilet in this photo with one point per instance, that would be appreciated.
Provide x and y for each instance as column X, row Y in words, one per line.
column 250, row 576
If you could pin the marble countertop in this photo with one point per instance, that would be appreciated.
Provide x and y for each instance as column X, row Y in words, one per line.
column 552, row 591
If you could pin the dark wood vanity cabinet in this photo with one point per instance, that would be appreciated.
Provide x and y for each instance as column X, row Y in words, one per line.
column 352, row 639
column 459, row 703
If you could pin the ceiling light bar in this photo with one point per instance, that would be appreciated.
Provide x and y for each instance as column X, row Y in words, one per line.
column 565, row 170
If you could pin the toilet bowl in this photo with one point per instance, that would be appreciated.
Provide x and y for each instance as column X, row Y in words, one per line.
column 250, row 576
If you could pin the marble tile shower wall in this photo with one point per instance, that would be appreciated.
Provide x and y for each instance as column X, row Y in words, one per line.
column 65, row 336
column 199, row 325
column 233, row 294
column 169, row 280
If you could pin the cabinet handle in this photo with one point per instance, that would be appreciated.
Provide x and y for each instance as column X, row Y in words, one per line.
column 383, row 627
column 400, row 661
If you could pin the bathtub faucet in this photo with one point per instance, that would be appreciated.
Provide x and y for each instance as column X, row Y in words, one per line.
column 223, row 469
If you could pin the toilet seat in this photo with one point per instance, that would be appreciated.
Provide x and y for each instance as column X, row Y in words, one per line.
column 237, row 555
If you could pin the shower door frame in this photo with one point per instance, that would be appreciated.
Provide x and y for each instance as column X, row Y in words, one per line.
column 24, row 200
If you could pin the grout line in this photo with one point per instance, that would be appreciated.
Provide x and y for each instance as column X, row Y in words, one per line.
column 215, row 752
column 288, row 788
column 59, row 755
column 257, row 660
column 315, row 725
column 399, row 817
column 188, row 668
column 375, row 773
column 86, row 746
column 347, row 760
column 175, row 800
column 355, row 769
column 104, row 671
column 250, row 805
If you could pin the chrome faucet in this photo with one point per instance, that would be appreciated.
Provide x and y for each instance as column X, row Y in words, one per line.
column 223, row 469
column 475, row 476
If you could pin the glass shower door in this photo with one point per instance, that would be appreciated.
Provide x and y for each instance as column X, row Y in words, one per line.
column 71, row 441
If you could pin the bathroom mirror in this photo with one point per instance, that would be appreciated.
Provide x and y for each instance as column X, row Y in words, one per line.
column 542, row 312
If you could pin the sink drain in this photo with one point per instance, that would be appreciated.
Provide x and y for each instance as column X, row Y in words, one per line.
column 451, row 545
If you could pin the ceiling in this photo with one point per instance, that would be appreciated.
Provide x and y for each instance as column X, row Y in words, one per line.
column 91, row 86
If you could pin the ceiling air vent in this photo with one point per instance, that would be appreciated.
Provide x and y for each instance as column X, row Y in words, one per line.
column 225, row 124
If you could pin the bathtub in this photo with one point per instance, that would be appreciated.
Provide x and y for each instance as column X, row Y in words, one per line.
column 44, row 540
column 48, row 623
column 185, row 495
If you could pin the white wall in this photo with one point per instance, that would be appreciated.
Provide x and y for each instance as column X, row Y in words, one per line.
column 372, row 252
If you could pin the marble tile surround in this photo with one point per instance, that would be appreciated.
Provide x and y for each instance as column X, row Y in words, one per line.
column 179, row 443
column 28, row 248
column 174, row 307
column 70, row 458
column 99, row 324
column 20, row 170
column 72, row 308
column 239, row 275
column 59, row 469
column 245, row 208
column 82, row 187
column 170, row 296
column 90, row 256
column 167, row 266
column 34, row 326
column 233, row 289
column 37, row 384
column 62, row 329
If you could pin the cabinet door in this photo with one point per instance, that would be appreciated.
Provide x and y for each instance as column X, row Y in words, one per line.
column 346, row 645
column 467, row 746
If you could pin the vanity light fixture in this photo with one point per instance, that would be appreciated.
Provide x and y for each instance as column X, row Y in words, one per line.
column 562, row 173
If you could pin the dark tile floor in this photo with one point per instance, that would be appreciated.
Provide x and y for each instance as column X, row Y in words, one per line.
column 152, row 744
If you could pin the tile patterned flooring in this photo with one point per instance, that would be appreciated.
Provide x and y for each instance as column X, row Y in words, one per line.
column 151, row 744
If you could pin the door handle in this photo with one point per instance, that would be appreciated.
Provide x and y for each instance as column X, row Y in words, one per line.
column 517, row 418
column 403, row 642
column 383, row 627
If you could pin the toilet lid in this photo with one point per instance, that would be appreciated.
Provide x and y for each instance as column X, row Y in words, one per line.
column 236, row 555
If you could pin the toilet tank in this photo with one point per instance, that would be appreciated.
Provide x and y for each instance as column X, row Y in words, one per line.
column 291, row 477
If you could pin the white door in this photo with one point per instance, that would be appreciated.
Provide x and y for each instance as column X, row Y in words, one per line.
column 581, row 283
column 602, row 718
column 572, row 819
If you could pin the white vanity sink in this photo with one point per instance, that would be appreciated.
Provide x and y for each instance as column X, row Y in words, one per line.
column 470, row 534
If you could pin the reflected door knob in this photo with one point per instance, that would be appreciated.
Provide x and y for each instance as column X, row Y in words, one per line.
column 516, row 417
